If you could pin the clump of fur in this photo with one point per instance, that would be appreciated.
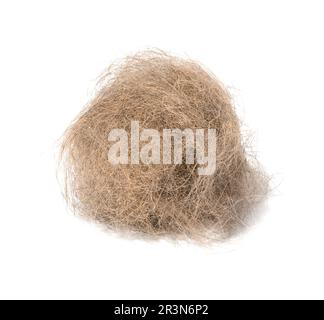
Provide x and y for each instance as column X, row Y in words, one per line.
column 160, row 91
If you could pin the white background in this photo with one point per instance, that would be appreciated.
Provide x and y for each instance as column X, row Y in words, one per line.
column 270, row 53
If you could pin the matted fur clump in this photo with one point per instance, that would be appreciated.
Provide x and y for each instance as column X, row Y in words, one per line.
column 160, row 91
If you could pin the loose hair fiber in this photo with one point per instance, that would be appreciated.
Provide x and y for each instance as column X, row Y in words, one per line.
column 160, row 91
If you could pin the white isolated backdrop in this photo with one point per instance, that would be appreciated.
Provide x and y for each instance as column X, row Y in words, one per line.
column 270, row 53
